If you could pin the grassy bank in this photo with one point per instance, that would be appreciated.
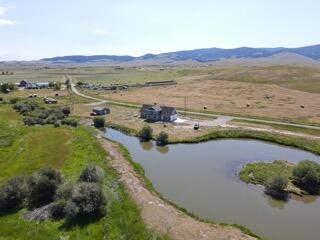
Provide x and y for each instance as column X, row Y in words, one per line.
column 27, row 149
column 310, row 145
column 298, row 142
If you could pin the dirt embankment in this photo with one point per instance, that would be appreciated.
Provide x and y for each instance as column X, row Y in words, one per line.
column 159, row 215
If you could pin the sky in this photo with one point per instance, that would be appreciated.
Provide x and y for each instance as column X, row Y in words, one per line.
column 34, row 29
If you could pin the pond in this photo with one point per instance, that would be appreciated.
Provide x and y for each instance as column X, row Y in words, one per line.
column 202, row 178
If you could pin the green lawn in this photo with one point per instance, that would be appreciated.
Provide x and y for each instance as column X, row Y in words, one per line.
column 31, row 148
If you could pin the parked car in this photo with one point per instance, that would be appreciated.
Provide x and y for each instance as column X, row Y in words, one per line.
column 93, row 114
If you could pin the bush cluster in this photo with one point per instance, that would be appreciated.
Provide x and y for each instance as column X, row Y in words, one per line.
column 82, row 199
column 37, row 115
column 43, row 186
column 307, row 175
column 99, row 122
column 276, row 186
column 70, row 122
column 4, row 87
column 85, row 198
column 162, row 138
column 13, row 193
column 145, row 134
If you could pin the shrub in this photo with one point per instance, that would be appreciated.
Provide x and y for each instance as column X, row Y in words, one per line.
column 91, row 174
column 70, row 121
column 14, row 100
column 57, row 86
column 57, row 209
column 87, row 199
column 163, row 138
column 7, row 86
column 64, row 191
column 1, row 99
column 12, row 194
column 66, row 111
column 145, row 134
column 71, row 210
column 56, row 124
column 278, row 184
column 43, row 186
column 99, row 122
column 307, row 175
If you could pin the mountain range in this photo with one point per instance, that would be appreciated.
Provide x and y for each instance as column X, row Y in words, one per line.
column 198, row 55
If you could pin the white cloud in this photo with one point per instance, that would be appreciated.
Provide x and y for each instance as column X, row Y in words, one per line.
column 2, row 10
column 98, row 31
column 4, row 21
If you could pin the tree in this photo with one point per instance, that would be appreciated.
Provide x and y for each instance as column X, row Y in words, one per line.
column 145, row 133
column 87, row 200
column 307, row 175
column 68, row 83
column 12, row 194
column 99, row 122
column 57, row 209
column 57, row 86
column 7, row 86
column 163, row 138
column 42, row 187
column 91, row 174
column 278, row 183
column 66, row 111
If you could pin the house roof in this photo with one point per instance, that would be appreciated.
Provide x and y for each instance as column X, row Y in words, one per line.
column 165, row 110
column 168, row 111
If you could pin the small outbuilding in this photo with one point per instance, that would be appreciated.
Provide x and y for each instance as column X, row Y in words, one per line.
column 101, row 111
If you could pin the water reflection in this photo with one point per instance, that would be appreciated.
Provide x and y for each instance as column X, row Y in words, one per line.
column 304, row 199
column 275, row 203
column 162, row 149
column 146, row 145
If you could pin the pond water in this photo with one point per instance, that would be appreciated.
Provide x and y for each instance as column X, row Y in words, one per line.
column 203, row 179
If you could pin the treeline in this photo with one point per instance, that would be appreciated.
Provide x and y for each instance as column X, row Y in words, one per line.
column 70, row 200
column 34, row 114
column 146, row 134
column 7, row 87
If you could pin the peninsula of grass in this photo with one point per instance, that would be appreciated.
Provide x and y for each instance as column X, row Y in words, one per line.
column 24, row 150
column 261, row 172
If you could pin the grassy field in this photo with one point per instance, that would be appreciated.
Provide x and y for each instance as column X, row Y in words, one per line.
column 302, row 78
column 258, row 91
column 26, row 149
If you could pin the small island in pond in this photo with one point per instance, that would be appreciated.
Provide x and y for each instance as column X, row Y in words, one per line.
column 281, row 177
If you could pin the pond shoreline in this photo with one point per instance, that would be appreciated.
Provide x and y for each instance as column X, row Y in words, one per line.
column 187, row 225
column 302, row 143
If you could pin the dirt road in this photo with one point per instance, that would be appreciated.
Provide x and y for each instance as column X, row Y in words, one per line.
column 159, row 215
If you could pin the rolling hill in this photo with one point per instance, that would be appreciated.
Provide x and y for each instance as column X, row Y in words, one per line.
column 198, row 55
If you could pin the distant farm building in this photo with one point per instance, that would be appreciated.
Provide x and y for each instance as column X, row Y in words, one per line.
column 156, row 113
column 101, row 111
column 29, row 85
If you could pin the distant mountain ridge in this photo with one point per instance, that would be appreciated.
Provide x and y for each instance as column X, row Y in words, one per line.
column 199, row 55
